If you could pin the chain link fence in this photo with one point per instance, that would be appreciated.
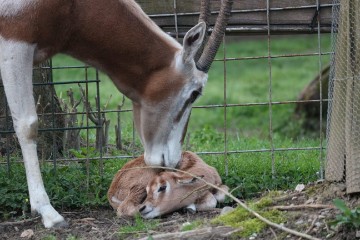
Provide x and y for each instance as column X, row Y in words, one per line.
column 343, row 154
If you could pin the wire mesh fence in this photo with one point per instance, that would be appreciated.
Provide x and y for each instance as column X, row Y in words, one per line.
column 343, row 120
column 234, row 126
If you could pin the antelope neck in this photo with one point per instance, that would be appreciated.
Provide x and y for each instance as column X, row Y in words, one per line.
column 127, row 46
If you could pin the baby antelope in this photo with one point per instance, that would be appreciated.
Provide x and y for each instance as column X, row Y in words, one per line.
column 153, row 192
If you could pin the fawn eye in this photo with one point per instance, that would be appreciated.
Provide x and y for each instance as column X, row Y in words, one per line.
column 162, row 188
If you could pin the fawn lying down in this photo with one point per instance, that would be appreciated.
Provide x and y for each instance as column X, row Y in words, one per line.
column 153, row 192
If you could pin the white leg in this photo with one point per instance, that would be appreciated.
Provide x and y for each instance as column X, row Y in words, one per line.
column 219, row 195
column 191, row 208
column 206, row 202
column 16, row 61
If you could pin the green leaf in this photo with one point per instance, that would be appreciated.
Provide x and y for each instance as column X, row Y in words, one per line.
column 340, row 204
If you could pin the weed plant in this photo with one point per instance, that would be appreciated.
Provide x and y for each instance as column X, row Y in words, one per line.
column 349, row 218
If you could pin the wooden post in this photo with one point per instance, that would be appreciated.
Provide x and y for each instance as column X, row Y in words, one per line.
column 343, row 156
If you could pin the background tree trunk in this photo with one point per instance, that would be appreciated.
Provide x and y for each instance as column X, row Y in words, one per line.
column 48, row 109
column 310, row 111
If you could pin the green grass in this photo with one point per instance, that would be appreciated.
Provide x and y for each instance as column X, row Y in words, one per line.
column 140, row 226
column 78, row 184
column 188, row 226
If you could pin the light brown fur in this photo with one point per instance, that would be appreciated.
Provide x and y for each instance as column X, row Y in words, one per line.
column 131, row 182
column 128, row 185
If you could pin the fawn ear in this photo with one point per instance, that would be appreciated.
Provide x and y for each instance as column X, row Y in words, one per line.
column 188, row 179
column 192, row 41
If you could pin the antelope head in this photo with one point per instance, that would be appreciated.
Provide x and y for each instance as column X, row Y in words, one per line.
column 169, row 192
column 161, row 118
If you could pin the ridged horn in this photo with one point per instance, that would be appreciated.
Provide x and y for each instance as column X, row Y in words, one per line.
column 212, row 45
column 205, row 13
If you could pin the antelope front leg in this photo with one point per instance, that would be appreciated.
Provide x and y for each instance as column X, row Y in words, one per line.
column 16, row 61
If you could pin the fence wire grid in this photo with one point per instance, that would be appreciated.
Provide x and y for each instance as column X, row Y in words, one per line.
column 81, row 96
column 343, row 155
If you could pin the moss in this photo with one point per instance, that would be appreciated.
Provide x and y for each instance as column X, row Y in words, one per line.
column 251, row 226
column 49, row 237
column 191, row 225
column 262, row 203
column 240, row 218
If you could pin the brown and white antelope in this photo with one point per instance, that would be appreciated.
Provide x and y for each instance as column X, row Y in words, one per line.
column 160, row 77
column 152, row 193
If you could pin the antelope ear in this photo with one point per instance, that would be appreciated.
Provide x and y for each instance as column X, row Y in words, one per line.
column 188, row 179
column 192, row 41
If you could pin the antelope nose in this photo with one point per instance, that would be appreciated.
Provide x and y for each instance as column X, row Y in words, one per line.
column 142, row 208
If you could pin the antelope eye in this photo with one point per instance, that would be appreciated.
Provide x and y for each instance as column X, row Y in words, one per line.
column 162, row 188
column 194, row 95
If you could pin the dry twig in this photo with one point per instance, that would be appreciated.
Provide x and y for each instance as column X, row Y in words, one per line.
column 311, row 227
column 273, row 232
column 303, row 206
column 201, row 233
column 287, row 197
column 19, row 222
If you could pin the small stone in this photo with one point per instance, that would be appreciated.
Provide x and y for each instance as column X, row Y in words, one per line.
column 299, row 222
column 319, row 181
column 318, row 224
column 358, row 234
column 325, row 212
column 226, row 210
column 309, row 201
column 28, row 233
column 253, row 236
column 330, row 235
column 186, row 224
column 300, row 187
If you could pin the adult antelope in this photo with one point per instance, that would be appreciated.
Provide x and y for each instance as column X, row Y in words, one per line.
column 159, row 75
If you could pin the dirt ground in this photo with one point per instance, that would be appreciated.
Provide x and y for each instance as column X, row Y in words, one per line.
column 103, row 223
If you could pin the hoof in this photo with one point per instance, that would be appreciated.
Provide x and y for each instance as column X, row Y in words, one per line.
column 62, row 224
column 51, row 218
column 191, row 209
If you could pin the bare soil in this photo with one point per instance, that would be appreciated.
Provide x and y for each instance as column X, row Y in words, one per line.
column 103, row 223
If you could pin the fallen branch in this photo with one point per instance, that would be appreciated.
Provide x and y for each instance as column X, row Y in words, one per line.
column 19, row 222
column 302, row 206
column 201, row 233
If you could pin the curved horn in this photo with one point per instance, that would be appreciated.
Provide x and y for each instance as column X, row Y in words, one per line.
column 205, row 14
column 215, row 39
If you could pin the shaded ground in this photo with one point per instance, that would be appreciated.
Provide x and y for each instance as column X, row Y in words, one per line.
column 103, row 224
